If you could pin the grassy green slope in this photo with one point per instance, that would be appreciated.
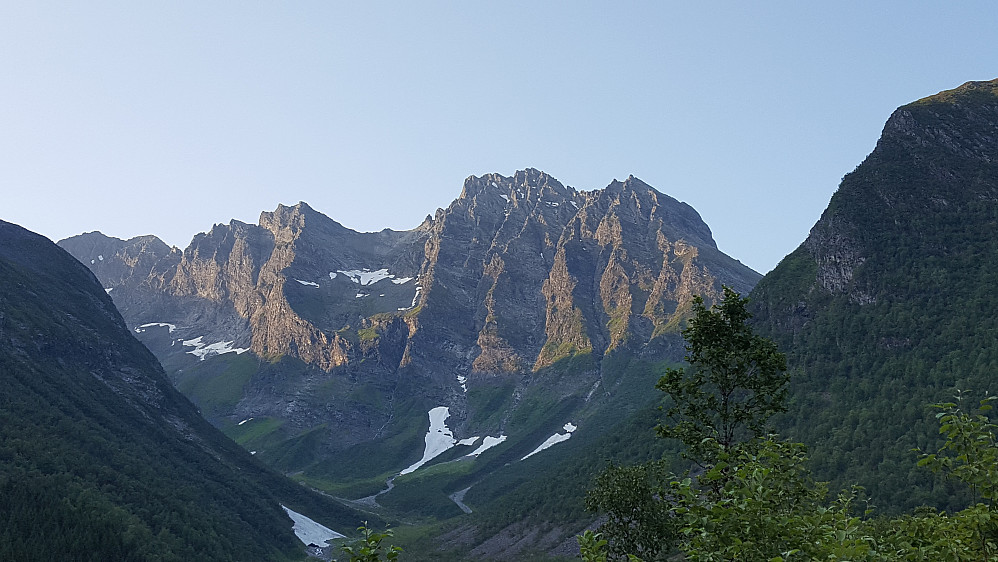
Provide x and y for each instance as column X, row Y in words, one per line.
column 546, row 491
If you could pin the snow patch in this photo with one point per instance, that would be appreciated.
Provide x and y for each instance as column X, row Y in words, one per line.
column 461, row 379
column 487, row 444
column 554, row 439
column 366, row 276
column 91, row 262
column 403, row 280
column 309, row 283
column 310, row 532
column 438, row 438
column 360, row 295
column 574, row 204
column 504, row 196
column 101, row 258
column 108, row 290
column 143, row 327
column 414, row 299
column 202, row 350
column 469, row 441
column 244, row 421
column 332, row 275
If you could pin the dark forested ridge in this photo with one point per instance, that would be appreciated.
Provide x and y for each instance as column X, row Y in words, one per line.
column 100, row 458
column 890, row 303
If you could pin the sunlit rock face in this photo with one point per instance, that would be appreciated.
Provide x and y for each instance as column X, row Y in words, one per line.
column 343, row 328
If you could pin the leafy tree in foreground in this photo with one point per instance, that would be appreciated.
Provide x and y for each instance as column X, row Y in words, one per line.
column 735, row 381
column 754, row 498
column 369, row 549
column 758, row 502
column 637, row 520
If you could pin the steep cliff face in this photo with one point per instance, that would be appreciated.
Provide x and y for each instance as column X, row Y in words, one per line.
column 928, row 183
column 317, row 326
column 887, row 304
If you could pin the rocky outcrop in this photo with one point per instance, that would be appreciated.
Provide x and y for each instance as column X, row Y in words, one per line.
column 931, row 162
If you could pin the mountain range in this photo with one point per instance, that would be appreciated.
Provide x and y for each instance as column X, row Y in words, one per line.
column 485, row 331
column 468, row 377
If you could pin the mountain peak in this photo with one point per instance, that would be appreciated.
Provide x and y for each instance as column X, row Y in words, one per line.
column 529, row 184
column 983, row 90
column 954, row 123
column 295, row 218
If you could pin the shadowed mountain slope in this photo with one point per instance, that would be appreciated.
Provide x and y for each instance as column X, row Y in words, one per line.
column 100, row 457
column 889, row 305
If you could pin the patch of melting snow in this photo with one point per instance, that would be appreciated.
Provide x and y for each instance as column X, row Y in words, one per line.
column 101, row 258
column 574, row 204
column 310, row 532
column 108, row 290
column 202, row 350
column 332, row 275
column 143, row 327
column 403, row 280
column 414, row 299
column 366, row 276
column 504, row 196
column 244, row 421
column 309, row 283
column 438, row 438
column 487, row 444
column 462, row 380
column 469, row 441
column 360, row 295
column 554, row 439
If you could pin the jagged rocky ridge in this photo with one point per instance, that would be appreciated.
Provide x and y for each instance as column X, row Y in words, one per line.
column 353, row 332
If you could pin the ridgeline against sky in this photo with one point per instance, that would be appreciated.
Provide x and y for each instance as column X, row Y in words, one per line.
column 166, row 118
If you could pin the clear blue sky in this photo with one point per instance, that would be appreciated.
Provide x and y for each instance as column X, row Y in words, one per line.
column 167, row 117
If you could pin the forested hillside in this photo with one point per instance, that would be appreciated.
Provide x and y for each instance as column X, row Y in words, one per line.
column 100, row 458
column 889, row 305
